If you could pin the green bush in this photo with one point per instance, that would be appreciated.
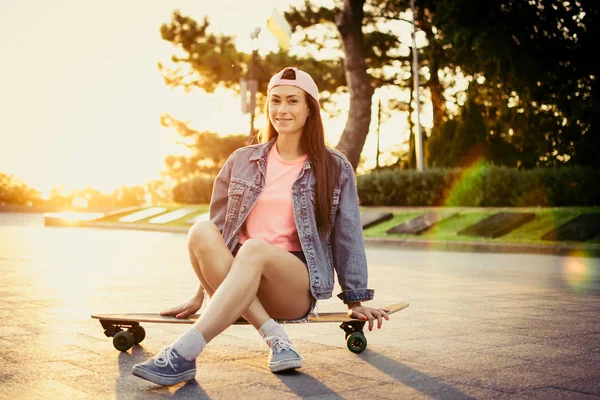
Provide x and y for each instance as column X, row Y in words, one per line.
column 482, row 186
column 408, row 188
column 14, row 191
column 197, row 190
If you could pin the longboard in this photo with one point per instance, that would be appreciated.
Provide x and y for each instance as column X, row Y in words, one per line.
column 134, row 333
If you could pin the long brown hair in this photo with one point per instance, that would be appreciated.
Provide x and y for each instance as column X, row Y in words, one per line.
column 321, row 160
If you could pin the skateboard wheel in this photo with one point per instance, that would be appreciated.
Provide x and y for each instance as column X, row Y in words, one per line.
column 123, row 341
column 357, row 342
column 138, row 334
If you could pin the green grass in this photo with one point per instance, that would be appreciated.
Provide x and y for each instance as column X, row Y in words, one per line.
column 546, row 219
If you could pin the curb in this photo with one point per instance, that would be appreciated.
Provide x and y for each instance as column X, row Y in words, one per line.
column 413, row 244
column 486, row 247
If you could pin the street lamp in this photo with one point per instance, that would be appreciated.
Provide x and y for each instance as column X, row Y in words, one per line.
column 418, row 136
column 415, row 75
column 252, row 83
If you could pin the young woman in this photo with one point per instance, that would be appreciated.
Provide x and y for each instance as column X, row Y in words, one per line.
column 284, row 215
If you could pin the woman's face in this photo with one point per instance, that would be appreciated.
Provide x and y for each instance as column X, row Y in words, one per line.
column 288, row 109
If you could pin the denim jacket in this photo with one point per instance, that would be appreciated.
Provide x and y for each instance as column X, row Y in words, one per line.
column 341, row 247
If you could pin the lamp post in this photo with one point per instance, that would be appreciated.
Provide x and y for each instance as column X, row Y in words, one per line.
column 418, row 137
column 253, row 83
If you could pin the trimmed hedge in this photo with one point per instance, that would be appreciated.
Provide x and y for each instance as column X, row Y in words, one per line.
column 197, row 190
column 475, row 187
column 488, row 186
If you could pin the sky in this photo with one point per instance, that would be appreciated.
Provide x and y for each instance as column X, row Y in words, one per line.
column 81, row 95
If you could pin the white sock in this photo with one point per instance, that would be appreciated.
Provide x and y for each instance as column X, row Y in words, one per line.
column 272, row 328
column 190, row 344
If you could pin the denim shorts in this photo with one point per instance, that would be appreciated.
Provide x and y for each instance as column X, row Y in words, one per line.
column 299, row 254
column 313, row 303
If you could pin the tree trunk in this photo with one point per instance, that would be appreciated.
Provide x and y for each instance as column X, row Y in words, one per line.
column 349, row 24
column 411, row 160
column 434, row 85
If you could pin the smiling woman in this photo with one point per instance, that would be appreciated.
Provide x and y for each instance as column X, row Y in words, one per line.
column 284, row 219
column 288, row 110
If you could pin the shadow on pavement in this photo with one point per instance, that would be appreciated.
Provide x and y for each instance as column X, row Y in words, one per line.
column 304, row 385
column 412, row 378
column 126, row 361
column 191, row 390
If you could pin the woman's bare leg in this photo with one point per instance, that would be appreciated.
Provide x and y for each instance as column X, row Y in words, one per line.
column 263, row 281
column 212, row 260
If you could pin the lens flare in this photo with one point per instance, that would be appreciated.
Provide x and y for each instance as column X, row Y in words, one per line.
column 461, row 190
column 581, row 273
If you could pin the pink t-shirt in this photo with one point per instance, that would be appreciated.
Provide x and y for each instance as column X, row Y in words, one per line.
column 272, row 217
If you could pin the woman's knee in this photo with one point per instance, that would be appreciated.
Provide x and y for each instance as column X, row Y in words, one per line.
column 203, row 235
column 253, row 251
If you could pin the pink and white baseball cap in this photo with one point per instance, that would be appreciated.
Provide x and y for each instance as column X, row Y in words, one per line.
column 303, row 81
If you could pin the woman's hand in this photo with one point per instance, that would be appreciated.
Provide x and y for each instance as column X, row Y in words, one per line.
column 187, row 308
column 358, row 311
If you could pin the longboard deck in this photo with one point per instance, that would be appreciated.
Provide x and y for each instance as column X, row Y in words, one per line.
column 156, row 318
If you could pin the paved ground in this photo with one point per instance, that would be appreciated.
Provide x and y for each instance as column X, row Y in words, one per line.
column 479, row 326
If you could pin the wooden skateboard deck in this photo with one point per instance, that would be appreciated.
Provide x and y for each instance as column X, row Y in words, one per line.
column 123, row 340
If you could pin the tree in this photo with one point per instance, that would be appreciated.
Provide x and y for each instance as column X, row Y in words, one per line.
column 368, row 54
column 349, row 24
column 469, row 138
column 126, row 196
column 388, row 61
column 123, row 196
column 208, row 151
column 208, row 59
column 14, row 191
column 534, row 54
column 528, row 60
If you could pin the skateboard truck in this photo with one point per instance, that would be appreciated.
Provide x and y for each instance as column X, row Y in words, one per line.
column 123, row 340
column 355, row 337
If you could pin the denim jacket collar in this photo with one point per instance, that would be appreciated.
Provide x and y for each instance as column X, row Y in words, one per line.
column 262, row 152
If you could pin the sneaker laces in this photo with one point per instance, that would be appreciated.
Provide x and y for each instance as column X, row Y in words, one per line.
column 279, row 344
column 164, row 357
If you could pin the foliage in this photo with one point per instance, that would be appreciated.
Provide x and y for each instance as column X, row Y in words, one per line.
column 197, row 190
column 14, row 191
column 209, row 151
column 482, row 186
column 530, row 100
column 529, row 69
column 210, row 60
column 402, row 188
column 535, row 56
column 472, row 136
column 89, row 198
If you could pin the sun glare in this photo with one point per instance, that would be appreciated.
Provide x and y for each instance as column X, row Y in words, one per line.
column 73, row 216
column 94, row 114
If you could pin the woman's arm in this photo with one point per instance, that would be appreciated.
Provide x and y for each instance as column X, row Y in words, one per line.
column 349, row 254
column 348, row 246
column 218, row 200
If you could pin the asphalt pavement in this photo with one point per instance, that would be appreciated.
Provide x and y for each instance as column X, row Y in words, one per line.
column 479, row 325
